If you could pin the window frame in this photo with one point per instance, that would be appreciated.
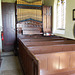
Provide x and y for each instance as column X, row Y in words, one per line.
column 61, row 27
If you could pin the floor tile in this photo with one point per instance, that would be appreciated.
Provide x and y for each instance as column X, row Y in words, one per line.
column 10, row 66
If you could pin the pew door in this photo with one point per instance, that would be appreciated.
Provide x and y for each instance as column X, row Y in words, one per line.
column 8, row 21
column 47, row 19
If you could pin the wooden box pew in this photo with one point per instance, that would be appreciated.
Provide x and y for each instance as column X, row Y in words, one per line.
column 44, row 43
column 51, row 48
column 35, row 60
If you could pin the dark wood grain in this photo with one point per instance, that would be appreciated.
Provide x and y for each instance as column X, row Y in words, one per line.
column 40, row 45
column 8, row 20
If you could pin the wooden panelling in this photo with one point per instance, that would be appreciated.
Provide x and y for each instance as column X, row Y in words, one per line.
column 8, row 21
column 29, row 27
column 28, row 61
column 44, row 18
column 57, row 62
column 46, row 63
column 42, row 58
column 44, row 10
column 53, row 63
column 47, row 19
column 31, row 32
column 50, row 49
column 64, row 61
column 44, row 22
column 72, row 60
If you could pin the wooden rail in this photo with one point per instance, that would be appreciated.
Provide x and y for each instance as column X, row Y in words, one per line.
column 44, row 43
column 38, row 40
column 52, row 48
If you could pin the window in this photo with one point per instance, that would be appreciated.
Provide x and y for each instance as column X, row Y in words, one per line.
column 61, row 9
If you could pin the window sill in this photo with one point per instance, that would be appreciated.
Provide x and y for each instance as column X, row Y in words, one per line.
column 62, row 31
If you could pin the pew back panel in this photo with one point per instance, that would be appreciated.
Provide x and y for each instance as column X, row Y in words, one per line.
column 28, row 60
column 52, row 48
column 37, row 58
column 53, row 63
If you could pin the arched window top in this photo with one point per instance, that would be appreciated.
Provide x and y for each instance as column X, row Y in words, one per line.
column 61, row 1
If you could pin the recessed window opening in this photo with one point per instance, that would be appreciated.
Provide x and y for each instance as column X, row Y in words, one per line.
column 61, row 10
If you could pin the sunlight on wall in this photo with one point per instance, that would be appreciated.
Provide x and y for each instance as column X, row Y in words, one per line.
column 68, row 32
column 55, row 30
column 70, row 5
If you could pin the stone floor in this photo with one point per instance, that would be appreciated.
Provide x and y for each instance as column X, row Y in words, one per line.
column 10, row 64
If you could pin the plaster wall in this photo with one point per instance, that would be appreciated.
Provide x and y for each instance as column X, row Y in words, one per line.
column 0, row 27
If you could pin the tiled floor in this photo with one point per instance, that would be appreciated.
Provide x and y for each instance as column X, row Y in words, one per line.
column 10, row 65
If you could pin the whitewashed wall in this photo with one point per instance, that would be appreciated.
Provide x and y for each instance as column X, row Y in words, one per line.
column 0, row 27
